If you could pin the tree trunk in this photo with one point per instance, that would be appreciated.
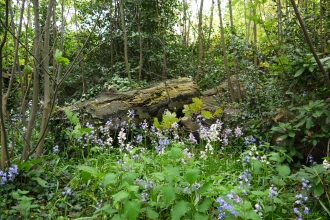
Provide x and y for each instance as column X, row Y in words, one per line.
column 47, row 99
column 5, row 159
column 279, row 25
column 255, row 40
column 34, row 108
column 200, row 42
column 210, row 27
column 311, row 47
column 224, row 49
column 321, row 28
column 140, row 42
column 235, row 58
column 121, row 5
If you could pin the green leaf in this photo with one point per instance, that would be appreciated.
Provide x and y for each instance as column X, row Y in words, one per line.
column 206, row 114
column 109, row 178
column 107, row 209
column 169, row 194
column 257, row 165
column 180, row 209
column 283, row 170
column 91, row 170
column 40, row 181
column 291, row 134
column 299, row 72
column 252, row 215
column 60, row 59
column 175, row 152
column 324, row 207
column 205, row 205
column 156, row 123
column 120, row 196
column 168, row 119
column 186, row 110
column 27, row 165
column 200, row 216
column 205, row 187
column 129, row 178
column 151, row 214
column 218, row 112
column 132, row 209
column 192, row 175
column 318, row 189
column 309, row 122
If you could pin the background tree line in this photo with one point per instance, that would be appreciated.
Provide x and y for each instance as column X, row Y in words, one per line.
column 56, row 52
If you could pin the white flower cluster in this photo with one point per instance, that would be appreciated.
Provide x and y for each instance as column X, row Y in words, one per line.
column 326, row 164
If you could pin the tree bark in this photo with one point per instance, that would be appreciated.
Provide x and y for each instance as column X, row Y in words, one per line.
column 200, row 42
column 121, row 6
column 311, row 47
column 224, row 49
column 5, row 159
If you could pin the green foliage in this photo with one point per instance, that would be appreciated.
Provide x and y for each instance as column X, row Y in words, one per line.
column 60, row 59
column 168, row 120
column 196, row 108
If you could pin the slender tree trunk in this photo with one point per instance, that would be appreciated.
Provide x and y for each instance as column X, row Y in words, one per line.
column 247, row 24
column 309, row 42
column 47, row 87
column 140, row 41
column 224, row 49
column 121, row 5
column 34, row 108
column 5, row 159
column 279, row 25
column 235, row 58
column 210, row 27
column 200, row 42
column 111, row 40
column 255, row 40
column 321, row 28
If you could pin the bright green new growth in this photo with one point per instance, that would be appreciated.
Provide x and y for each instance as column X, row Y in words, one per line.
column 197, row 108
column 60, row 59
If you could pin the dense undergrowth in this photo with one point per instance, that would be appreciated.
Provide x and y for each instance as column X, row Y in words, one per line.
column 128, row 171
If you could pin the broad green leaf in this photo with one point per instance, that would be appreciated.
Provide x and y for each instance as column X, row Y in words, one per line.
column 206, row 114
column 192, row 175
column 117, row 217
column 41, row 182
column 318, row 189
column 175, row 152
column 27, row 165
column 252, row 215
column 146, row 159
column 218, row 112
column 207, row 203
column 132, row 209
column 200, row 216
column 205, row 187
column 169, row 194
column 156, row 123
column 186, row 110
column 109, row 178
column 180, row 209
column 283, row 170
column 309, row 122
column 129, row 178
column 257, row 165
column 151, row 214
column 60, row 59
column 120, row 196
column 291, row 134
column 299, row 72
column 168, row 119
column 91, row 170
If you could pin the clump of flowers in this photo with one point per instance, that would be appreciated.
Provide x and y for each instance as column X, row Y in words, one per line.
column 9, row 175
column 300, row 208
column 225, row 208
column 67, row 191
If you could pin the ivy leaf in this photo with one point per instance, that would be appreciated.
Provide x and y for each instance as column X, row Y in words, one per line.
column 132, row 209
column 180, row 209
